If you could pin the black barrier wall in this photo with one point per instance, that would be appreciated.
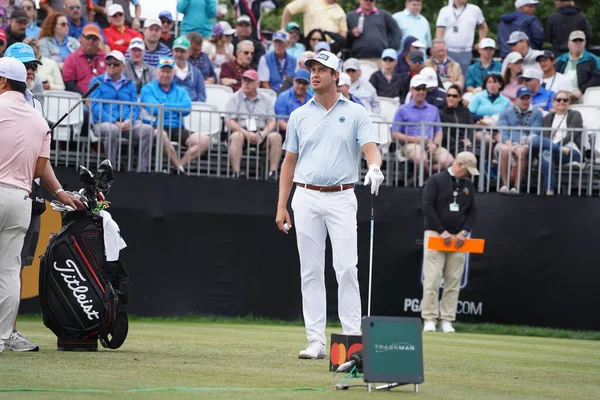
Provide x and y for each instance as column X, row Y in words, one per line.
column 210, row 246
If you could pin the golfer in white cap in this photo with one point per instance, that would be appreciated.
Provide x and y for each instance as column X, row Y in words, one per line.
column 24, row 154
column 323, row 142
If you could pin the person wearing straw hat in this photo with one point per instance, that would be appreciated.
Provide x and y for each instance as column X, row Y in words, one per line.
column 323, row 142
column 450, row 210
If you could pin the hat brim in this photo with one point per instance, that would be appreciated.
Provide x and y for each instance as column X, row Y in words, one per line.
column 473, row 171
column 30, row 59
column 309, row 62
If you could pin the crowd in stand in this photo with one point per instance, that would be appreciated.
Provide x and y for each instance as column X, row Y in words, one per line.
column 432, row 75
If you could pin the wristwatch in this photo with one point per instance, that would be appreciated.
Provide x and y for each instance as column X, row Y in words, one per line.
column 465, row 232
column 57, row 191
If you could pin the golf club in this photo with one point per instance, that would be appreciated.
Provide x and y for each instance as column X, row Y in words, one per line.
column 81, row 100
column 371, row 255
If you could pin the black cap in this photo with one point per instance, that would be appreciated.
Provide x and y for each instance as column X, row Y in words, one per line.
column 18, row 14
column 416, row 54
column 547, row 53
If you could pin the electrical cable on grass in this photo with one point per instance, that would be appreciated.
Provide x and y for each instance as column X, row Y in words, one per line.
column 205, row 389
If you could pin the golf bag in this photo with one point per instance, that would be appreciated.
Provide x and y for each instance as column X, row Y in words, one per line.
column 83, row 296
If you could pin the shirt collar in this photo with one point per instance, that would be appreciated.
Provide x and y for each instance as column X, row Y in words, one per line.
column 359, row 10
column 107, row 78
column 409, row 14
column 413, row 104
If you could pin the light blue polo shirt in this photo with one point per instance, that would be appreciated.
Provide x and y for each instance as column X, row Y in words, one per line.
column 328, row 143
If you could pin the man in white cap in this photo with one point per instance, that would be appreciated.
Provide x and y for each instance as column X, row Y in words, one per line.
column 362, row 88
column 450, row 210
column 323, row 142
column 409, row 138
column 155, row 49
column 277, row 66
column 456, row 24
column 484, row 66
column 522, row 19
column 24, row 154
column 118, row 35
column 136, row 68
column 540, row 97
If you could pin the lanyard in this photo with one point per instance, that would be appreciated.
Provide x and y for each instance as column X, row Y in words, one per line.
column 456, row 17
column 559, row 125
column 253, row 102
column 282, row 69
column 454, row 185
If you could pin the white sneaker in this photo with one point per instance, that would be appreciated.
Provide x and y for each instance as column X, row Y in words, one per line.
column 429, row 326
column 314, row 351
column 447, row 327
column 20, row 342
column 504, row 189
column 514, row 190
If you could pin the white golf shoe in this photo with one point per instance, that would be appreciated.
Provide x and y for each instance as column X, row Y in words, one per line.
column 447, row 327
column 314, row 351
column 429, row 326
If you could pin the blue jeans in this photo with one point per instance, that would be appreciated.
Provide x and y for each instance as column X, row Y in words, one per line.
column 551, row 155
column 464, row 58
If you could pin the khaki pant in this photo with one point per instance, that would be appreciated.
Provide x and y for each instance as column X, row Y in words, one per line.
column 438, row 264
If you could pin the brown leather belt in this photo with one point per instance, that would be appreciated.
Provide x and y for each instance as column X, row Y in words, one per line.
column 335, row 188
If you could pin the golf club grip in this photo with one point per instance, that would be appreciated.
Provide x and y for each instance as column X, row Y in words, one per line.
column 81, row 100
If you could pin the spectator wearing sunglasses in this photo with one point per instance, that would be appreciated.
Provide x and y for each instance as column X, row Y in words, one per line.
column 55, row 43
column 75, row 16
column 579, row 65
column 33, row 30
column 456, row 139
column 558, row 145
column 54, row 6
column 540, row 98
column 482, row 68
column 48, row 72
column 86, row 62
column 519, row 42
column 167, row 24
column 15, row 31
column 377, row 32
column 360, row 87
column 243, row 31
column 566, row 19
column 232, row 71
column 523, row 19
column 292, row 98
column 289, row 81
column 410, row 44
column 118, row 35
column 386, row 81
column 553, row 80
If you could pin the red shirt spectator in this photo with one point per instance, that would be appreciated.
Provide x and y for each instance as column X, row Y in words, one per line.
column 86, row 62
column 118, row 35
column 232, row 71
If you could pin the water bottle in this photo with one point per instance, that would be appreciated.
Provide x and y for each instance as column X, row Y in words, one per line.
column 361, row 22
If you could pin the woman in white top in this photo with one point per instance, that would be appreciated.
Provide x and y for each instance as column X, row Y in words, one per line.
column 560, row 145
column 219, row 47
column 48, row 72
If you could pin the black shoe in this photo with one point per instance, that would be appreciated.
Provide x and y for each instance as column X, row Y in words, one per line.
column 272, row 176
column 238, row 175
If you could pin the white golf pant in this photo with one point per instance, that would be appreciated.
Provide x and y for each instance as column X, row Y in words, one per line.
column 317, row 214
column 15, row 213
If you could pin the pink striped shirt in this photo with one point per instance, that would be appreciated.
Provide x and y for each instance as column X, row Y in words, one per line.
column 23, row 138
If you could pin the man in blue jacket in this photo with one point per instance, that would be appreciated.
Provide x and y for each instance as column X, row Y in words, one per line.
column 113, row 121
column 163, row 91
column 186, row 75
column 197, row 16
column 522, row 19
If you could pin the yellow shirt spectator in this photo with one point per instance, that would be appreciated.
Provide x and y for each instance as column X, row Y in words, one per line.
column 318, row 14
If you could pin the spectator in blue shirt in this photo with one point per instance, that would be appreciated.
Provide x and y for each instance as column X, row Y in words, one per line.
column 482, row 68
column 33, row 30
column 293, row 98
column 112, row 121
column 540, row 97
column 514, row 142
column 411, row 21
column 409, row 137
column 197, row 16
column 489, row 101
column 155, row 49
column 186, row 75
column 274, row 68
column 200, row 59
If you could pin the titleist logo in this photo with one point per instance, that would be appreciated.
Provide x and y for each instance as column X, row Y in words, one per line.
column 70, row 274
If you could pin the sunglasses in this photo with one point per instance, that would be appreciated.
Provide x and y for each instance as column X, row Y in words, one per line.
column 114, row 63
column 248, row 53
column 561, row 100
column 93, row 38
column 74, row 8
column 301, row 82
column 351, row 70
column 28, row 8
column 31, row 65
column 388, row 59
column 316, row 40
column 117, row 15
column 2, row 42
column 165, row 21
column 63, row 24
column 453, row 96
column 525, row 79
column 417, row 61
column 420, row 88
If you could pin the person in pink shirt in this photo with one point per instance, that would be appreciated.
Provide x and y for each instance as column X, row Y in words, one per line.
column 24, row 154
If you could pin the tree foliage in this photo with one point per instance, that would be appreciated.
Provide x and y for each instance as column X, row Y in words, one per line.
column 492, row 10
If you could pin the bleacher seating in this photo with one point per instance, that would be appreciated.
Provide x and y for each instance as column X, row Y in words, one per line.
column 218, row 95
column 367, row 68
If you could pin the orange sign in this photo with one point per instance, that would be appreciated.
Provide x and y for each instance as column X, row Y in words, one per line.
column 31, row 275
column 470, row 245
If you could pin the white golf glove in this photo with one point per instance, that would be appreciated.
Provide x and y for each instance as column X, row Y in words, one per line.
column 375, row 178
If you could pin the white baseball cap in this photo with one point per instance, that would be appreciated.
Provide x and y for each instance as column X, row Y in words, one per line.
column 326, row 58
column 352, row 63
column 417, row 81
column 418, row 44
column 513, row 57
column 137, row 43
column 487, row 43
column 429, row 76
column 13, row 69
column 113, row 9
column 532, row 73
column 152, row 21
column 117, row 55
column 521, row 3
column 344, row 79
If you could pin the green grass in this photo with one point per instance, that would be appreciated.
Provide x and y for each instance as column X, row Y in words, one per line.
column 245, row 360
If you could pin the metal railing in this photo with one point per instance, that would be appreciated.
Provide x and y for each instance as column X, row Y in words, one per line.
column 567, row 173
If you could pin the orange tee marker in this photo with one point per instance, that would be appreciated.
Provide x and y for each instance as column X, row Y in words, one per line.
column 470, row 245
